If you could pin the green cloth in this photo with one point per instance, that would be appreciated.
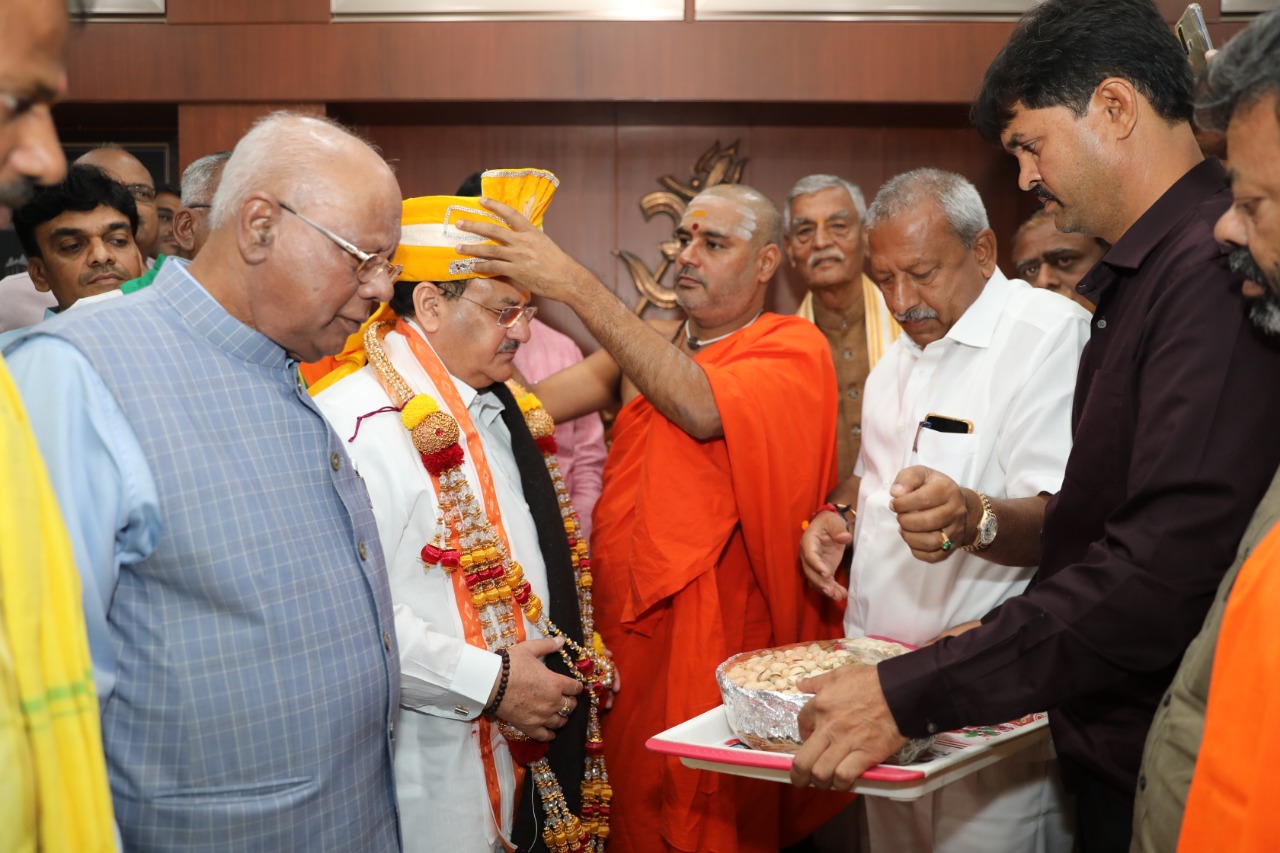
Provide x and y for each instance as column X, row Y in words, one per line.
column 145, row 279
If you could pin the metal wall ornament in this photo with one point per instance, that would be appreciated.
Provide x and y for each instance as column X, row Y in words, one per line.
column 716, row 166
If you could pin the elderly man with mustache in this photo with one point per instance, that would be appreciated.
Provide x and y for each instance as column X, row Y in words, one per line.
column 823, row 234
column 972, row 406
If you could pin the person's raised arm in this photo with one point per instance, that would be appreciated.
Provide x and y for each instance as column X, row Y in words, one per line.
column 582, row 388
column 675, row 385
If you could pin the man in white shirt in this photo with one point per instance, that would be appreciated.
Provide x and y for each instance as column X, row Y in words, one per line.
column 465, row 675
column 966, row 431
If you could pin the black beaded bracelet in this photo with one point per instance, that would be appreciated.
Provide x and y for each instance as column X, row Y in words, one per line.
column 492, row 707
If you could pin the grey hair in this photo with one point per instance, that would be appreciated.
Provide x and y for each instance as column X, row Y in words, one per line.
column 279, row 150
column 199, row 178
column 956, row 197
column 810, row 184
column 1245, row 71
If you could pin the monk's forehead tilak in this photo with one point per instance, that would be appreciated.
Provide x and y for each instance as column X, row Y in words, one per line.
column 713, row 217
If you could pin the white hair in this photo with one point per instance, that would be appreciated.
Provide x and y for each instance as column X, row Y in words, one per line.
column 817, row 183
column 958, row 199
column 199, row 178
column 280, row 150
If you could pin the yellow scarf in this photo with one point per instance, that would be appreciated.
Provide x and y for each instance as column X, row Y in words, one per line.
column 53, row 778
column 882, row 329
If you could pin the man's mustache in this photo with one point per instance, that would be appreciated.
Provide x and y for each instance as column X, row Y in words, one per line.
column 509, row 345
column 115, row 269
column 920, row 312
column 829, row 255
column 1242, row 263
column 687, row 271
column 1044, row 195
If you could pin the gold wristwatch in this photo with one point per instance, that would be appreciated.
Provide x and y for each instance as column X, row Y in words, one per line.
column 987, row 526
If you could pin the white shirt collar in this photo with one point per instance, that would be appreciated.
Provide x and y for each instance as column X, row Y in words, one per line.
column 977, row 324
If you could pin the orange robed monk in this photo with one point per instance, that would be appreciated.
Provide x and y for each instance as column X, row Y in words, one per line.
column 724, row 446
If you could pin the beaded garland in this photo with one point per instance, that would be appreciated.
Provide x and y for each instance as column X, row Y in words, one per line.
column 495, row 581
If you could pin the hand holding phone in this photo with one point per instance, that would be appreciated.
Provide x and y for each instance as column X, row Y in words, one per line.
column 1193, row 35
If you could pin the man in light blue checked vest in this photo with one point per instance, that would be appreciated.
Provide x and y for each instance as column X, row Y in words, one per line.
column 235, row 593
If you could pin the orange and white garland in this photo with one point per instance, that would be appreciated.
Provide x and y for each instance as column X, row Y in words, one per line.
column 495, row 582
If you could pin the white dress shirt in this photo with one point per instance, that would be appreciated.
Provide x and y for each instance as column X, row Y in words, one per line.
column 1008, row 366
column 444, row 802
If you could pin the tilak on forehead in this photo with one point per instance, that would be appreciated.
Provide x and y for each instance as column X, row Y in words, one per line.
column 745, row 227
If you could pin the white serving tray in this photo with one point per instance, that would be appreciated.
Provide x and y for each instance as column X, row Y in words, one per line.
column 707, row 743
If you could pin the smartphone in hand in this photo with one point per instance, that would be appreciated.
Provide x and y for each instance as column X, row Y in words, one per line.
column 1193, row 35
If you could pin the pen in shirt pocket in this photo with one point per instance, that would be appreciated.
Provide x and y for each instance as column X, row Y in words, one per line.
column 941, row 423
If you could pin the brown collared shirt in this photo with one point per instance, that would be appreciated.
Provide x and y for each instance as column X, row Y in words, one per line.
column 846, row 334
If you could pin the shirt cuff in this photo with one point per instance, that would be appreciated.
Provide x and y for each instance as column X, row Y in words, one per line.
column 914, row 689
column 477, row 672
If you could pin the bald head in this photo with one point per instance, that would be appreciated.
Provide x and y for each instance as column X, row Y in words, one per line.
column 129, row 171
column 293, row 156
column 302, row 207
column 760, row 216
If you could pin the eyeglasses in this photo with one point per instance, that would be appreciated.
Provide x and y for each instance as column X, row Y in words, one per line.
column 141, row 192
column 370, row 267
column 509, row 316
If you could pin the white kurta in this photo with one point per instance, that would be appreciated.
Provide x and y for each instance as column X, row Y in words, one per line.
column 1008, row 366
column 444, row 803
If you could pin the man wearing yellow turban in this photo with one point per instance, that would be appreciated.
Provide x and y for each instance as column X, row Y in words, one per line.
column 484, row 554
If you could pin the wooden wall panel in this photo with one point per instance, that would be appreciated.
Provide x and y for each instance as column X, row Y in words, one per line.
column 737, row 62
column 205, row 128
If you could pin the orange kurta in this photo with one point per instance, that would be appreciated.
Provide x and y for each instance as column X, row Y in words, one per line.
column 1234, row 798
column 696, row 549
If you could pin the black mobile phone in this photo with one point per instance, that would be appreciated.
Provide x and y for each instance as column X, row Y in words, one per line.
column 1193, row 35
column 941, row 423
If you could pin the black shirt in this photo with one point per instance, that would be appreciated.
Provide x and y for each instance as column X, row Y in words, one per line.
column 1176, row 427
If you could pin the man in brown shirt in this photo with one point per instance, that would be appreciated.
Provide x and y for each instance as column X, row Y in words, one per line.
column 825, row 242
column 1174, row 445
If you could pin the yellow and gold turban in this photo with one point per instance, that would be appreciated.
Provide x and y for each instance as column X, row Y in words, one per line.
column 428, row 225
column 429, row 237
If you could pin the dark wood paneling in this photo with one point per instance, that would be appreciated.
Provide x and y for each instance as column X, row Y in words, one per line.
column 205, row 128
column 737, row 62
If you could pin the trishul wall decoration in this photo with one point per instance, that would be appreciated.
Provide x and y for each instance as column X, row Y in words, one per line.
column 716, row 166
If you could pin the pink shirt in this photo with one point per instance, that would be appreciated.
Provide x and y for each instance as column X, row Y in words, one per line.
column 581, row 440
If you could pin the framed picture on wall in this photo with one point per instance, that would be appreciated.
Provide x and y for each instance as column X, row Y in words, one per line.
column 156, row 156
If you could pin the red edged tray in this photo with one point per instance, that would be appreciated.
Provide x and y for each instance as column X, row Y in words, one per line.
column 707, row 743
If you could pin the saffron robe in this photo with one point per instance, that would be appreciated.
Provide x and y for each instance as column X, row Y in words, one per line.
column 696, row 554
column 1234, row 799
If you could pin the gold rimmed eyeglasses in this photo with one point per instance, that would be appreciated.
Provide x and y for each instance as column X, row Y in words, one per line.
column 370, row 265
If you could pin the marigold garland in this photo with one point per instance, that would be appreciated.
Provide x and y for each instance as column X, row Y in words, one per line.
column 495, row 581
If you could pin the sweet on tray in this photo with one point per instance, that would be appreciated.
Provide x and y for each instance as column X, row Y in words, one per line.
column 762, row 703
